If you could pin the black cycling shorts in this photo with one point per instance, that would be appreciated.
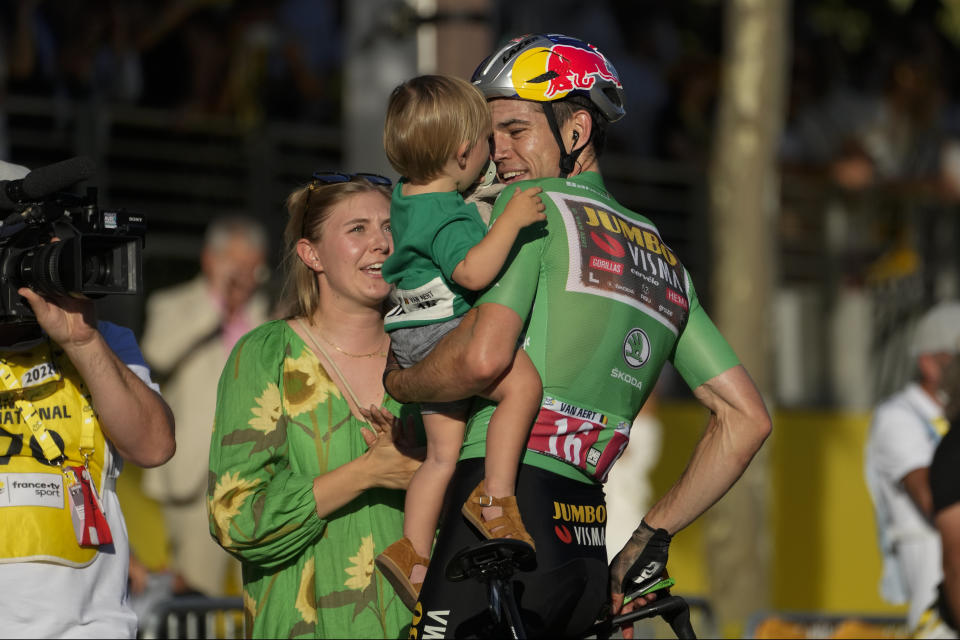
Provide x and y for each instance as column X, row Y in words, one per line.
column 566, row 592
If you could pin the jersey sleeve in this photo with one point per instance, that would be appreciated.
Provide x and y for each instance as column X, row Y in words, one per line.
column 944, row 480
column 261, row 509
column 455, row 238
column 701, row 351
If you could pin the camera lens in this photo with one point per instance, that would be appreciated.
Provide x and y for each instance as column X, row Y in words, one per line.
column 97, row 270
column 40, row 269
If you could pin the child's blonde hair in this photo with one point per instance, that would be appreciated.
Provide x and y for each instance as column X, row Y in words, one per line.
column 428, row 118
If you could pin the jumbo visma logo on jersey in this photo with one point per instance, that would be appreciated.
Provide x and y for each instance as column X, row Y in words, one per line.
column 626, row 260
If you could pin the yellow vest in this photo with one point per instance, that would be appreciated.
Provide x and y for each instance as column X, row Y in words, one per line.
column 44, row 400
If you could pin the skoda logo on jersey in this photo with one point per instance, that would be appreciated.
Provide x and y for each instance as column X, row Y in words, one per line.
column 636, row 348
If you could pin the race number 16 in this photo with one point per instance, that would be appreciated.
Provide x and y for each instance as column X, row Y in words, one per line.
column 572, row 443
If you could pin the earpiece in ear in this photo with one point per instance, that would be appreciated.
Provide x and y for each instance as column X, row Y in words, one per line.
column 576, row 136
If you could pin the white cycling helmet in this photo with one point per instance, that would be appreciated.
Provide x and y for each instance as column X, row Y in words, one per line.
column 547, row 68
column 551, row 67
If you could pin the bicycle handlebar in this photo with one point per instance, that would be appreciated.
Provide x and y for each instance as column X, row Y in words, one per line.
column 494, row 562
column 673, row 609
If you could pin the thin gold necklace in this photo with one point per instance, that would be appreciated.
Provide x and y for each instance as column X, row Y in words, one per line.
column 373, row 354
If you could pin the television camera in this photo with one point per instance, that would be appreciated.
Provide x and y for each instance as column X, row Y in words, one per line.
column 61, row 244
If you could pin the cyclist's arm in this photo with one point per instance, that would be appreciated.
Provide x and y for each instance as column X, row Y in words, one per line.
column 737, row 427
column 468, row 359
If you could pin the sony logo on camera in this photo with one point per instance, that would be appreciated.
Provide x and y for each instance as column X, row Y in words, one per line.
column 61, row 244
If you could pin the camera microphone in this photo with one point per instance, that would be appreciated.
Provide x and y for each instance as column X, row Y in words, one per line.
column 45, row 181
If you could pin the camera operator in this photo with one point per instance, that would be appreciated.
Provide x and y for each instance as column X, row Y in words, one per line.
column 74, row 402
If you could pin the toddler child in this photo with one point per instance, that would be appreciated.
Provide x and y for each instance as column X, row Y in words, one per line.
column 436, row 137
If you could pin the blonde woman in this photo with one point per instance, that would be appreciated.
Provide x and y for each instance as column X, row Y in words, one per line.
column 302, row 490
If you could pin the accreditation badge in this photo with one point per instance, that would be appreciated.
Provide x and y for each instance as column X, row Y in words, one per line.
column 86, row 510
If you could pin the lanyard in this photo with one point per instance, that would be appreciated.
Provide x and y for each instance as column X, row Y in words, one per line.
column 51, row 450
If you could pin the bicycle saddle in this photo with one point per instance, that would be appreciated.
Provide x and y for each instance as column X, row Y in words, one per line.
column 491, row 559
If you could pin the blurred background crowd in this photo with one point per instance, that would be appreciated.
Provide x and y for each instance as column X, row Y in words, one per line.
column 196, row 108
column 203, row 110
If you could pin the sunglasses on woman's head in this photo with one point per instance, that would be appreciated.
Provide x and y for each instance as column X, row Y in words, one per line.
column 333, row 177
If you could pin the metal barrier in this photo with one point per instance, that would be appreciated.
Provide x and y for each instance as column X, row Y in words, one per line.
column 194, row 617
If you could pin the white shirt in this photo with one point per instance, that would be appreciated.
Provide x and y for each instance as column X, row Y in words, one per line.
column 902, row 439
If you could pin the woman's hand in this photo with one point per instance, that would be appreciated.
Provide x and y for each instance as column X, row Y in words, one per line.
column 393, row 453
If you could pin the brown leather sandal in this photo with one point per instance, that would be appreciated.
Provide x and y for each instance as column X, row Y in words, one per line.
column 396, row 563
column 509, row 525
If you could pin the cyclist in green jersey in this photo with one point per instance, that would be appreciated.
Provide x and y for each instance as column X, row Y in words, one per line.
column 602, row 303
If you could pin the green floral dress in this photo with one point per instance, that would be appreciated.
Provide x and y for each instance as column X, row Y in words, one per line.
column 280, row 422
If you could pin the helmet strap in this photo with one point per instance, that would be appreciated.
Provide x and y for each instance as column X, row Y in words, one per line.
column 567, row 160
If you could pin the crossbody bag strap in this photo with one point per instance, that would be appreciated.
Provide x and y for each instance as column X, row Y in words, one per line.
column 336, row 369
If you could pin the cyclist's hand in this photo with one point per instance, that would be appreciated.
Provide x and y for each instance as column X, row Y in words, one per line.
column 640, row 564
column 626, row 630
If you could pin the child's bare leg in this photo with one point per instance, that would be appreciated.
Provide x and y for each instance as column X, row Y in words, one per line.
column 518, row 395
column 428, row 485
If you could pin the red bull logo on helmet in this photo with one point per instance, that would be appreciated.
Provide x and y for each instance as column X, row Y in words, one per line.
column 551, row 73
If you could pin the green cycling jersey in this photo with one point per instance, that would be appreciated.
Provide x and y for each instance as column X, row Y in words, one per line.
column 605, row 304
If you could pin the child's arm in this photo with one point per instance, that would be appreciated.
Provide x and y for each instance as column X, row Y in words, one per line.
column 485, row 260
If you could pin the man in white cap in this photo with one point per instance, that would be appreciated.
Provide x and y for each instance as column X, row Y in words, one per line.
column 904, row 433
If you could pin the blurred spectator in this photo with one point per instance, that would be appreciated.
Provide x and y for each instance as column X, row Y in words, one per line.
column 284, row 61
column 184, row 49
column 902, row 136
column 825, row 112
column 945, row 488
column 190, row 330
column 76, row 50
column 905, row 430
column 647, row 46
column 247, row 59
column 893, row 135
column 31, row 49
column 303, row 68
column 685, row 124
